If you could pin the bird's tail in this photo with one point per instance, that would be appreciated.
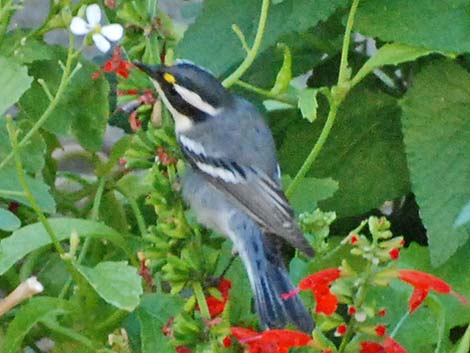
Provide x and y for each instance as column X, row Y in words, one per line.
column 269, row 279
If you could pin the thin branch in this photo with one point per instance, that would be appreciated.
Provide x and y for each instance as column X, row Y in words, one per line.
column 251, row 55
column 21, row 293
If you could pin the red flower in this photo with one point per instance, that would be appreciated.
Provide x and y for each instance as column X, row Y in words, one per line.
column 423, row 282
column 164, row 158
column 382, row 312
column 227, row 342
column 354, row 239
column 352, row 310
column 394, row 253
column 380, row 330
column 341, row 330
column 215, row 305
column 270, row 341
column 117, row 65
column 371, row 347
column 182, row 349
column 392, row 346
column 319, row 284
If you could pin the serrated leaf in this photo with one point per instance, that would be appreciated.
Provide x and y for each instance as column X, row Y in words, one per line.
column 9, row 183
column 390, row 54
column 84, row 107
column 14, row 81
column 27, row 317
column 31, row 237
column 8, row 221
column 310, row 190
column 219, row 15
column 153, row 313
column 308, row 104
column 116, row 282
column 434, row 24
column 363, row 153
column 437, row 139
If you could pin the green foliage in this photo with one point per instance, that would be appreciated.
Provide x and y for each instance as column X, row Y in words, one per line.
column 125, row 265
column 436, row 126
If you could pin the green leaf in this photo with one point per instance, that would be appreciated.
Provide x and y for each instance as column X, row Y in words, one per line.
column 27, row 317
column 116, row 282
column 14, row 81
column 434, row 24
column 436, row 129
column 8, row 221
column 390, row 54
column 154, row 312
column 308, row 103
column 24, row 51
column 33, row 236
column 10, row 188
column 134, row 185
column 284, row 76
column 310, row 190
column 201, row 46
column 32, row 154
column 82, row 111
column 364, row 152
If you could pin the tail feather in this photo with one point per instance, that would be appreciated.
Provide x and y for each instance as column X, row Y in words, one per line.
column 274, row 311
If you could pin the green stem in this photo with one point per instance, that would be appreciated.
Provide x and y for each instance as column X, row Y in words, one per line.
column 266, row 93
column 201, row 300
column 52, row 105
column 344, row 73
column 136, row 210
column 11, row 192
column 338, row 93
column 112, row 320
column 399, row 323
column 251, row 55
column 32, row 200
column 330, row 120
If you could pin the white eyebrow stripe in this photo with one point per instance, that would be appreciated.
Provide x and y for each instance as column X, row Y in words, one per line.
column 195, row 100
column 217, row 172
column 192, row 145
column 182, row 122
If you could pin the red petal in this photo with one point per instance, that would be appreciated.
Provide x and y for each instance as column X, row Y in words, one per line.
column 327, row 302
column 242, row 333
column 380, row 330
column 392, row 346
column 424, row 280
column 394, row 253
column 183, row 349
column 417, row 298
column 224, row 287
column 371, row 347
column 320, row 279
column 286, row 338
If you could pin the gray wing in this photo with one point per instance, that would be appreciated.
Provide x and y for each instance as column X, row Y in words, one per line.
column 253, row 192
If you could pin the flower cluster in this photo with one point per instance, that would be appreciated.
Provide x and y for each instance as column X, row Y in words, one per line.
column 271, row 341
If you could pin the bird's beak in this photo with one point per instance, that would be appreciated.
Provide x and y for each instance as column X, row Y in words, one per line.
column 150, row 70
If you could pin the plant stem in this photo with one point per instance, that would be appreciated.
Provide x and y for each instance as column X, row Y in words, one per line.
column 266, row 93
column 52, row 105
column 32, row 200
column 344, row 73
column 338, row 93
column 315, row 150
column 399, row 323
column 201, row 300
column 251, row 55
column 137, row 213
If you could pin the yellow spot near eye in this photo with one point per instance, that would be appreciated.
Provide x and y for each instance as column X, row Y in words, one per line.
column 169, row 78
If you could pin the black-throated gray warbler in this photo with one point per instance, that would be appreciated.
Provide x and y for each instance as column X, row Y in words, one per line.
column 233, row 183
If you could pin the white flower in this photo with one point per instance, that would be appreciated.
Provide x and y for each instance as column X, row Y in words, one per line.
column 101, row 34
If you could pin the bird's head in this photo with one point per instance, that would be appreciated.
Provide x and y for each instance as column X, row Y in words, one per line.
column 190, row 92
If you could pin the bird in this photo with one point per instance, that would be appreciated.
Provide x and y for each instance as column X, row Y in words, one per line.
column 233, row 183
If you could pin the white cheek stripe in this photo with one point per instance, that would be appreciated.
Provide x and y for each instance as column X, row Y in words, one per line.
column 192, row 145
column 216, row 172
column 182, row 122
column 195, row 100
